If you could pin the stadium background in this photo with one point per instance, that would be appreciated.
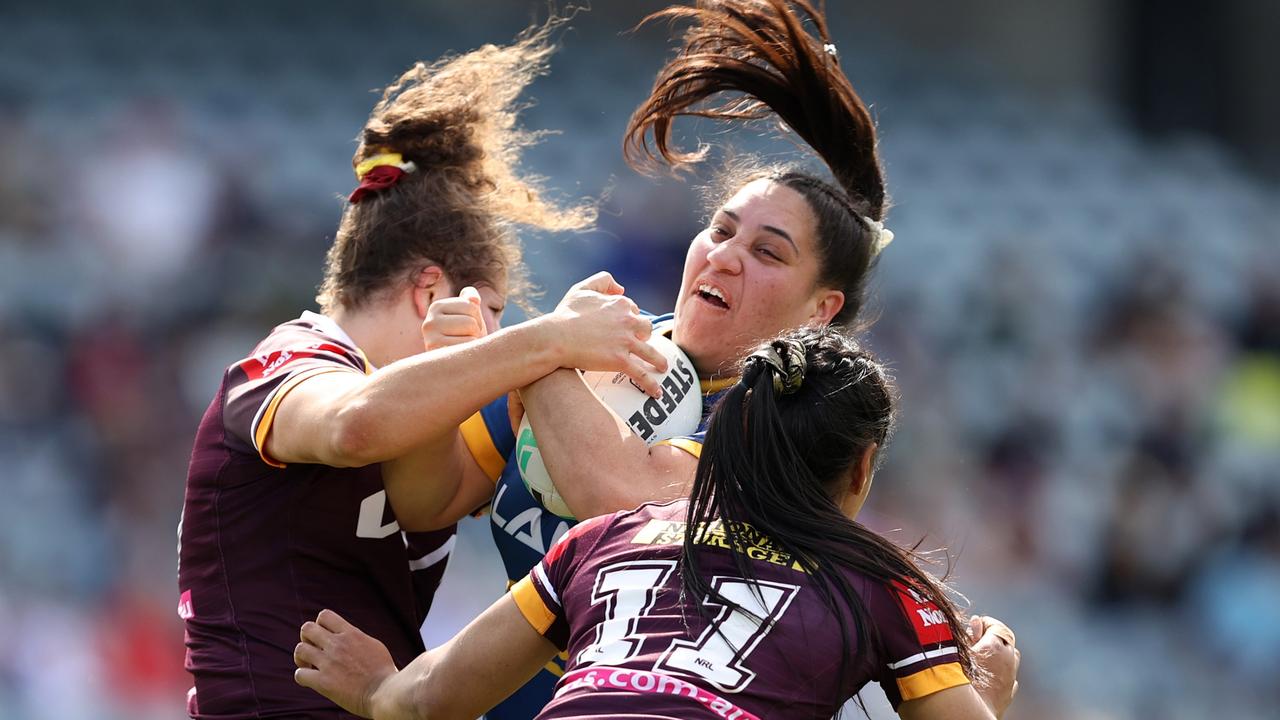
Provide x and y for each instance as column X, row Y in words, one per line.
column 1082, row 307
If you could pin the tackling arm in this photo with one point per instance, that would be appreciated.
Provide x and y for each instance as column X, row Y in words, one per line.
column 599, row 465
column 352, row 420
column 490, row 659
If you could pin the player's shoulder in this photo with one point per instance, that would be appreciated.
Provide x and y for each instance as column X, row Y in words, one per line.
column 309, row 337
column 653, row 523
column 662, row 510
column 627, row 527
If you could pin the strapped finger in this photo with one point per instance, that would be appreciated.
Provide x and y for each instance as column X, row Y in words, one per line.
column 1000, row 630
column 975, row 628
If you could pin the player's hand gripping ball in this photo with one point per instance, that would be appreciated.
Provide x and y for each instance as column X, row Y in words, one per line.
column 678, row 412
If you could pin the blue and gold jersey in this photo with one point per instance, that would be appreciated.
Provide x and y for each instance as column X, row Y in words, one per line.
column 524, row 531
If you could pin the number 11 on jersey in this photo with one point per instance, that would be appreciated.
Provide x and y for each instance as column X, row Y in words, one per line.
column 718, row 655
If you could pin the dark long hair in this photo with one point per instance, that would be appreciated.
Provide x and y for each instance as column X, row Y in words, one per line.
column 761, row 56
column 772, row 462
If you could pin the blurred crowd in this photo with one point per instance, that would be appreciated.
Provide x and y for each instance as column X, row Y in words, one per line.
column 1085, row 325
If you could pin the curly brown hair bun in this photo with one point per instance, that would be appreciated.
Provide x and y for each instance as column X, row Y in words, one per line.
column 456, row 120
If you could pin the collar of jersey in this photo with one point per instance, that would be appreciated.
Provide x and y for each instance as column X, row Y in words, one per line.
column 332, row 329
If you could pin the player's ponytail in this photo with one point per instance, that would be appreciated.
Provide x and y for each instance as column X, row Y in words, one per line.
column 761, row 55
column 779, row 445
column 447, row 131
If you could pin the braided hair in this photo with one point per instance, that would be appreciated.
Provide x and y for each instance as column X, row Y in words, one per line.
column 779, row 448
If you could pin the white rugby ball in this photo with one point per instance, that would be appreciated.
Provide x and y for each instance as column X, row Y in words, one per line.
column 678, row 412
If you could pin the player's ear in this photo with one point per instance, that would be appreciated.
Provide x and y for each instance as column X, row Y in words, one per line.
column 859, row 480
column 827, row 303
column 429, row 284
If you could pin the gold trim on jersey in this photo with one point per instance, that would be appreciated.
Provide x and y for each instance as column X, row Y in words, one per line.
column 476, row 435
column 521, row 592
column 269, row 414
column 689, row 445
column 716, row 385
column 532, row 606
column 931, row 680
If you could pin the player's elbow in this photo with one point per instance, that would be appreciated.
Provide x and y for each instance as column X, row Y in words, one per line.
column 606, row 498
column 353, row 437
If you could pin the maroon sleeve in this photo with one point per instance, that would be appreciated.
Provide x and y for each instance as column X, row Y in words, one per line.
column 256, row 385
column 540, row 595
column 918, row 654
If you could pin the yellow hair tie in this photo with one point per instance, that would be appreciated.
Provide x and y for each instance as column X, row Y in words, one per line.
column 392, row 159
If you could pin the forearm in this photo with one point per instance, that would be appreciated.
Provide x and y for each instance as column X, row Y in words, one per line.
column 398, row 697
column 424, row 398
column 599, row 465
column 491, row 658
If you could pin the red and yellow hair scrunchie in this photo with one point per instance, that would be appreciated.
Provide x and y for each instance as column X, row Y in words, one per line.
column 379, row 172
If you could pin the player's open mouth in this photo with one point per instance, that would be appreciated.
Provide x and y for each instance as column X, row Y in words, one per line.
column 712, row 295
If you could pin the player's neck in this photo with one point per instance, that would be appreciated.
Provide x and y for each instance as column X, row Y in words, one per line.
column 373, row 329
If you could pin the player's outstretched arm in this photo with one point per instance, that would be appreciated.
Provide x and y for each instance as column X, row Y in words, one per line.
column 351, row 420
column 599, row 463
column 438, row 483
column 993, row 648
column 490, row 659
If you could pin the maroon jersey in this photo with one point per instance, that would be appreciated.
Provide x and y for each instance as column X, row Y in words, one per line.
column 264, row 547
column 609, row 593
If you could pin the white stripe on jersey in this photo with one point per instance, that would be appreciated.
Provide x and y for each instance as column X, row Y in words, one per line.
column 434, row 556
column 546, row 584
column 922, row 656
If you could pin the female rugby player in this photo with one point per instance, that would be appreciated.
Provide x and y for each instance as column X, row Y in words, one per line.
column 757, row 597
column 787, row 248
column 287, row 492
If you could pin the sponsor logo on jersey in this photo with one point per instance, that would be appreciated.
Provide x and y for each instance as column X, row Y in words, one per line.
column 931, row 617
column 928, row 622
column 747, row 540
column 675, row 385
column 267, row 364
column 640, row 681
